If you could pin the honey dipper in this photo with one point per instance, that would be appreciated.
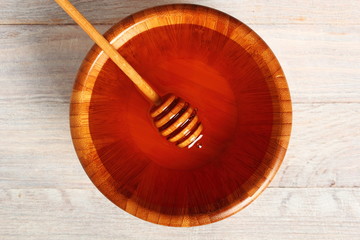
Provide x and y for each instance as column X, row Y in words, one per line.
column 174, row 118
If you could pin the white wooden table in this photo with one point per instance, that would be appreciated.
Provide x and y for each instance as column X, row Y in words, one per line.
column 44, row 192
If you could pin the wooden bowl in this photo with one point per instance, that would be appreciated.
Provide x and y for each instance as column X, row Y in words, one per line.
column 218, row 65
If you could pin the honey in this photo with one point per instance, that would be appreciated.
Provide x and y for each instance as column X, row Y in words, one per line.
column 215, row 75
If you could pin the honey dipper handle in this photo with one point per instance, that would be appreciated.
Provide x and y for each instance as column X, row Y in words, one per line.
column 143, row 86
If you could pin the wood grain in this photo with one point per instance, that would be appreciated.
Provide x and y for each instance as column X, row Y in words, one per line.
column 262, row 12
column 323, row 214
column 319, row 61
column 317, row 44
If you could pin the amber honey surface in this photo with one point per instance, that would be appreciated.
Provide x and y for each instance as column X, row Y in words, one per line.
column 214, row 74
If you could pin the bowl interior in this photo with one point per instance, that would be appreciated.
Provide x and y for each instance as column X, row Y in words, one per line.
column 238, row 103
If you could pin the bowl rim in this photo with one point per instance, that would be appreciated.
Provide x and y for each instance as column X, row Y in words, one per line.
column 138, row 22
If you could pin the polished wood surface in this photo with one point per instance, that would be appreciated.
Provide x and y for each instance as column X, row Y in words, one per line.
column 221, row 66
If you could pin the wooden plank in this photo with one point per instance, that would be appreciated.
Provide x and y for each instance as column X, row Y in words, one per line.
column 259, row 12
column 320, row 62
column 44, row 193
column 324, row 147
column 86, row 214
